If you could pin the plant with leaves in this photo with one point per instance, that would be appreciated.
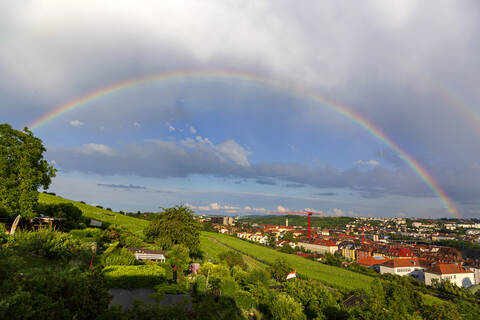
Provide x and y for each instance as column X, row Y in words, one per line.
column 22, row 171
column 232, row 259
column 175, row 226
column 179, row 257
column 280, row 269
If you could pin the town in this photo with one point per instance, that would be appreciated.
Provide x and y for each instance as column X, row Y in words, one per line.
column 405, row 247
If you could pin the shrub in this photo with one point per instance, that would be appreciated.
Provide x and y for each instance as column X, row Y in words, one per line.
column 143, row 276
column 280, row 269
column 116, row 255
column 232, row 259
column 49, row 244
column 67, row 211
column 245, row 300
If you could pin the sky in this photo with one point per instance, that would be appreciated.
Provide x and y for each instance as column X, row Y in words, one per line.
column 243, row 112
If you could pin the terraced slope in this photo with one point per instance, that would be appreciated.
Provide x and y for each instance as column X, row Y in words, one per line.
column 332, row 276
column 132, row 224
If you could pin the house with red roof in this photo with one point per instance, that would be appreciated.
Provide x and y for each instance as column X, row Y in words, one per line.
column 320, row 246
column 456, row 274
column 373, row 262
column 400, row 253
column 403, row 267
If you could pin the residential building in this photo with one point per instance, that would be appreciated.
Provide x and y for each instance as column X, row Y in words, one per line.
column 403, row 267
column 456, row 274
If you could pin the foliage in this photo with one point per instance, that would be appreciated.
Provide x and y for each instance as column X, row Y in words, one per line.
column 284, row 307
column 67, row 211
column 440, row 311
column 233, row 258
column 174, row 226
column 130, row 224
column 179, row 256
column 69, row 294
column 332, row 276
column 22, row 171
column 332, row 260
column 355, row 267
column 271, row 240
column 116, row 255
column 317, row 301
column 287, row 249
column 321, row 222
column 288, row 236
column 280, row 269
column 142, row 276
column 86, row 234
column 50, row 244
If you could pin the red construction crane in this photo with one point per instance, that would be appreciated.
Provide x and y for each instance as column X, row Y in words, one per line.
column 309, row 213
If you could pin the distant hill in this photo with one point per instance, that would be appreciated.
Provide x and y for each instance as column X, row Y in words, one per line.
column 294, row 220
column 134, row 225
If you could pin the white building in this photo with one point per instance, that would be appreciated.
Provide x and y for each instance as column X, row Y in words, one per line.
column 446, row 271
column 403, row 267
column 320, row 246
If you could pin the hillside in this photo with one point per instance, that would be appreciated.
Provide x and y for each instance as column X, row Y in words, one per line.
column 332, row 276
column 294, row 220
column 133, row 225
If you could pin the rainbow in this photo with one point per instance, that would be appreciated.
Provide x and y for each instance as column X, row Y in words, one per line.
column 180, row 76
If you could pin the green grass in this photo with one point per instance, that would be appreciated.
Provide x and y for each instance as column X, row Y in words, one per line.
column 332, row 276
column 212, row 248
column 133, row 225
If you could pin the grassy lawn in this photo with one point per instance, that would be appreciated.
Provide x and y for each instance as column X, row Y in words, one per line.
column 332, row 276
column 133, row 225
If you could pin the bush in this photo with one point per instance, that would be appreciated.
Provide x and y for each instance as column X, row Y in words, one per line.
column 143, row 276
column 92, row 233
column 116, row 255
column 232, row 259
column 67, row 211
column 280, row 269
column 245, row 300
column 50, row 244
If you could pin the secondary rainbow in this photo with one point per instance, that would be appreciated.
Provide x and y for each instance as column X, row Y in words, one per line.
column 201, row 75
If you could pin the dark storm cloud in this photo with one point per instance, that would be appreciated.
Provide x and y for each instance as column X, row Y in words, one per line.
column 326, row 194
column 164, row 159
column 266, row 182
column 121, row 186
column 294, row 185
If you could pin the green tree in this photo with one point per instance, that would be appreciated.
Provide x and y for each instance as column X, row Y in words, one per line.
column 284, row 307
column 179, row 256
column 272, row 240
column 280, row 269
column 233, row 258
column 288, row 236
column 175, row 226
column 22, row 171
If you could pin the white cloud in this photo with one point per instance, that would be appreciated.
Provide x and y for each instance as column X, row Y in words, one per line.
column 193, row 130
column 338, row 212
column 281, row 208
column 235, row 152
column 94, row 148
column 367, row 163
column 136, row 124
column 76, row 123
column 313, row 210
column 171, row 128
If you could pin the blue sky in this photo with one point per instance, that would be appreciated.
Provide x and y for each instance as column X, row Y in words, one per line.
column 244, row 147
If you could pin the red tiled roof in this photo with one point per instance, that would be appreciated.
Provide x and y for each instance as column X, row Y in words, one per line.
column 371, row 261
column 326, row 243
column 401, row 253
column 447, row 268
column 401, row 263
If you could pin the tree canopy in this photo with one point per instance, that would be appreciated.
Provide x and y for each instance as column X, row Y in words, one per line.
column 175, row 226
column 22, row 171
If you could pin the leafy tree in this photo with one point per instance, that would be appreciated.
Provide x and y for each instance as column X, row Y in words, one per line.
column 22, row 171
column 67, row 211
column 175, row 226
column 271, row 240
column 440, row 311
column 179, row 256
column 280, row 269
column 288, row 236
column 233, row 258
column 284, row 307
